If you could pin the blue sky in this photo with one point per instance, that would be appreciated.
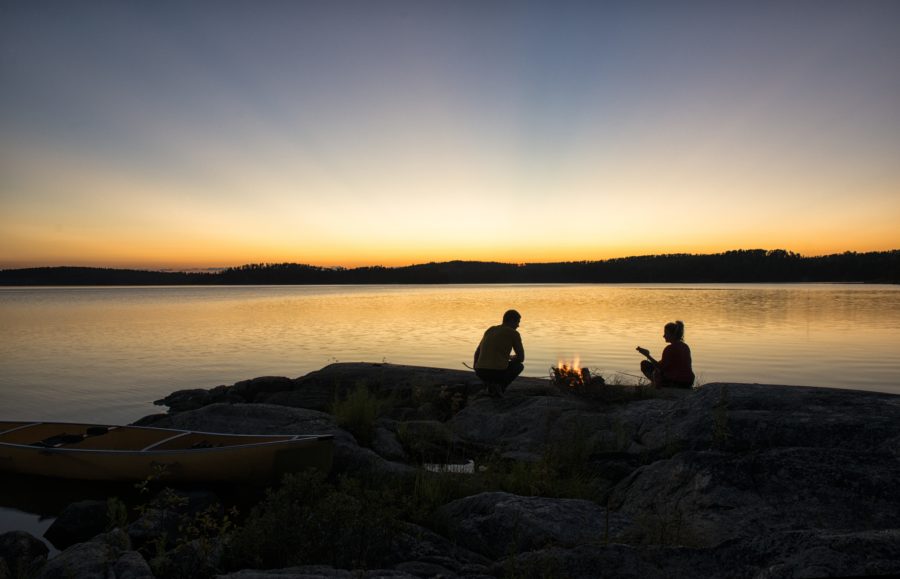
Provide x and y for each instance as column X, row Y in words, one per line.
column 203, row 134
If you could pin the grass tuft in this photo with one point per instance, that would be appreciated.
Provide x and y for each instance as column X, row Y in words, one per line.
column 357, row 412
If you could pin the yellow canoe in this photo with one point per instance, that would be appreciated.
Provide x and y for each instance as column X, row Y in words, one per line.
column 135, row 453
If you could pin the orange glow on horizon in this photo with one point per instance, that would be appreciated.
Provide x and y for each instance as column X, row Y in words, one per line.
column 173, row 259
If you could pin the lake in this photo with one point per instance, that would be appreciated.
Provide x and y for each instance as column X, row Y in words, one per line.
column 104, row 354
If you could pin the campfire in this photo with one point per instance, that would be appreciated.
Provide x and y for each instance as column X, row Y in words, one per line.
column 573, row 376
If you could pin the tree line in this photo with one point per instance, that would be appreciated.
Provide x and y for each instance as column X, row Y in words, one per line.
column 737, row 266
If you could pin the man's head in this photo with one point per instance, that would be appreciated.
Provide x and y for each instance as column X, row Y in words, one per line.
column 512, row 318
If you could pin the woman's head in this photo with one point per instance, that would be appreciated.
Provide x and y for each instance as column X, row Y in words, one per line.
column 674, row 331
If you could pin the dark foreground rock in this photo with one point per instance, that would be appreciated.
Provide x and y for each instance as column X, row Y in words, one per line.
column 499, row 524
column 108, row 555
column 21, row 555
column 77, row 523
column 778, row 556
column 729, row 480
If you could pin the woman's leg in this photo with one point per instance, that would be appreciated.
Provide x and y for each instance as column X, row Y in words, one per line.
column 647, row 369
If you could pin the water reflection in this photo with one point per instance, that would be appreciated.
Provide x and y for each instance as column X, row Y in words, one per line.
column 104, row 354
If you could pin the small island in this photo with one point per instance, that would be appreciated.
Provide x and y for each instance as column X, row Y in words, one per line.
column 432, row 478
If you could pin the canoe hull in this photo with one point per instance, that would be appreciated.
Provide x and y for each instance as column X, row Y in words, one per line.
column 261, row 459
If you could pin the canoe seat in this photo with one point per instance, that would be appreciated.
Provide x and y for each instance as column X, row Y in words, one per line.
column 58, row 440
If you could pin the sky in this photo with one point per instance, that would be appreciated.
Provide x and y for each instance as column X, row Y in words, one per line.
column 200, row 134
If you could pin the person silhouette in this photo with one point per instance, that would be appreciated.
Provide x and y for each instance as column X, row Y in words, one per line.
column 492, row 360
column 674, row 369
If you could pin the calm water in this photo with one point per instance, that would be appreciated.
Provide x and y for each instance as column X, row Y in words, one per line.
column 104, row 354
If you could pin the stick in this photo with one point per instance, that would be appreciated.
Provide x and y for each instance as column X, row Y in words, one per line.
column 467, row 366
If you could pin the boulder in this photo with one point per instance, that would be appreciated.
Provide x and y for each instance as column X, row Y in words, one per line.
column 131, row 565
column 317, row 572
column 498, row 524
column 105, row 556
column 416, row 548
column 21, row 554
column 425, row 440
column 169, row 510
column 749, row 417
column 191, row 399
column 318, row 390
column 704, row 498
column 154, row 524
column 517, row 423
column 776, row 556
column 196, row 558
column 409, row 388
column 614, row 561
column 386, row 445
column 254, row 390
column 349, row 457
column 251, row 419
column 78, row 522
column 257, row 389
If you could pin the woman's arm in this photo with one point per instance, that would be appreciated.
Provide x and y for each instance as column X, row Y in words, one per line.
column 646, row 354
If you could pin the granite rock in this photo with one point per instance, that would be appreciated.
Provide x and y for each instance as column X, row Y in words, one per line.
column 21, row 554
column 77, row 523
column 107, row 555
column 728, row 480
column 497, row 524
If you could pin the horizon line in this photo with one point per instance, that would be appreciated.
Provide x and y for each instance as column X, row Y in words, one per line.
column 218, row 269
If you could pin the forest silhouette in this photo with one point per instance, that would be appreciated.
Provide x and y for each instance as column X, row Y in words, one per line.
column 737, row 266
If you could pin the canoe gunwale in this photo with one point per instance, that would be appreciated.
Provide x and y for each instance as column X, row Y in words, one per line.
column 165, row 440
column 21, row 426
column 151, row 449
column 145, row 452
column 239, row 458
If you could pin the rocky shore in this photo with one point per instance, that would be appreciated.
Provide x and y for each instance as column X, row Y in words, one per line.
column 727, row 480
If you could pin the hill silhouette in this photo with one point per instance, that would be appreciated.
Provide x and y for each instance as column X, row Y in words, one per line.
column 737, row 266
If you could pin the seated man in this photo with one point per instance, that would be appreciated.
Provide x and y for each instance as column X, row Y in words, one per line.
column 493, row 363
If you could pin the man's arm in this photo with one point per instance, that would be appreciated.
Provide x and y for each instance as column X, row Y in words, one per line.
column 475, row 357
column 518, row 349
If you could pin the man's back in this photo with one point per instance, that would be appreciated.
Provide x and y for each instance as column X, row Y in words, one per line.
column 495, row 347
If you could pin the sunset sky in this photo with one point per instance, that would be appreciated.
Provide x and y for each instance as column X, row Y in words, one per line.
column 163, row 134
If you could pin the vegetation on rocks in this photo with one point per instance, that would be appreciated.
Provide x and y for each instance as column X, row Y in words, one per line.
column 357, row 411
column 728, row 480
column 310, row 520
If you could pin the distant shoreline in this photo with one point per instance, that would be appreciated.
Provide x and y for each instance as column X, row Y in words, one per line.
column 738, row 266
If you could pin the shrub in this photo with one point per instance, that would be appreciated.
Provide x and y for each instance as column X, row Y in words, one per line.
column 311, row 521
column 357, row 413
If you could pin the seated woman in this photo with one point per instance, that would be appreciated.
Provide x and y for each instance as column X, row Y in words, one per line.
column 674, row 370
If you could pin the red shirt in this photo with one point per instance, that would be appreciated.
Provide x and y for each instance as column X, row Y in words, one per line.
column 676, row 362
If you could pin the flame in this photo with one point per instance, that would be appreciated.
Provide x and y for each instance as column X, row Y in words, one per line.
column 575, row 366
column 571, row 374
